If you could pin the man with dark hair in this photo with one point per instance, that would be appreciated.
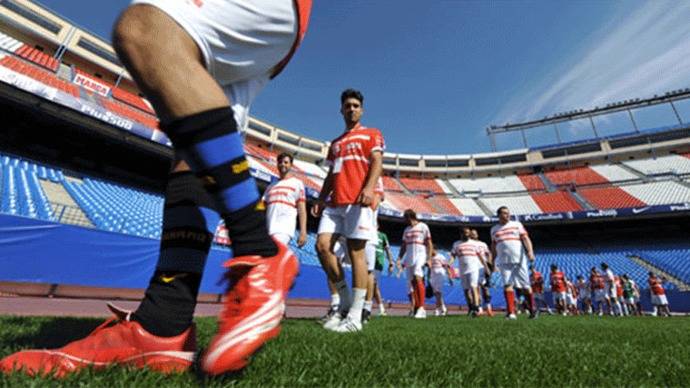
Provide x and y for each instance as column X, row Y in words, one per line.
column 611, row 291
column 201, row 64
column 285, row 201
column 512, row 248
column 537, row 282
column 598, row 286
column 558, row 289
column 356, row 162
column 414, row 253
column 584, row 294
column 659, row 300
column 485, row 275
column 470, row 256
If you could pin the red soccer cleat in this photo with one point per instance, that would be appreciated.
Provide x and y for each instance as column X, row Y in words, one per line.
column 118, row 341
column 254, row 306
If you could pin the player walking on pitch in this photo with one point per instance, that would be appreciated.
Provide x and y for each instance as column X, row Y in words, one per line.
column 200, row 63
column 285, row 201
column 512, row 248
column 356, row 163
column 470, row 256
column 416, row 248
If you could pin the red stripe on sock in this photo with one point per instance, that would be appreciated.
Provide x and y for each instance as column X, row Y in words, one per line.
column 510, row 301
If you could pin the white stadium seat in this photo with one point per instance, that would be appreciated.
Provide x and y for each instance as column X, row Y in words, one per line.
column 659, row 193
column 467, row 206
column 669, row 164
column 510, row 183
column 614, row 173
column 519, row 204
column 310, row 168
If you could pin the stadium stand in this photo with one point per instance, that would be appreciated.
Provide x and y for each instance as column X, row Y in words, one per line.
column 21, row 192
column 579, row 176
column 401, row 201
column 27, row 52
column 614, row 173
column 659, row 193
column 422, row 185
column 518, row 204
column 131, row 99
column 672, row 258
column 557, row 201
column 609, row 198
column 41, row 75
column 467, row 206
column 668, row 164
column 531, row 182
column 391, row 184
column 502, row 184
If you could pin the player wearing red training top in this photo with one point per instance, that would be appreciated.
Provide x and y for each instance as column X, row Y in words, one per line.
column 416, row 248
column 659, row 300
column 619, row 296
column 355, row 164
column 512, row 248
column 200, row 63
column 285, row 201
column 558, row 289
column 537, row 282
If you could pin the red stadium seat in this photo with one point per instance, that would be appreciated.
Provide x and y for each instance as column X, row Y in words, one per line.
column 131, row 99
column 403, row 201
column 532, row 182
column 39, row 58
column 390, row 184
column 422, row 185
column 610, row 198
column 579, row 176
column 441, row 201
column 39, row 74
column 559, row 201
column 129, row 112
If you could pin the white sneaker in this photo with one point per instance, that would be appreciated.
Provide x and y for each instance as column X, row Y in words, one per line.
column 348, row 325
column 444, row 312
column 420, row 314
column 333, row 321
column 437, row 312
column 511, row 317
column 382, row 313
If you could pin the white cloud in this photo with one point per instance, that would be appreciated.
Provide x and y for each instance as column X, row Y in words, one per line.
column 640, row 53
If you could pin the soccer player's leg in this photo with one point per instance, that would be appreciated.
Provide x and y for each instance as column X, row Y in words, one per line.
column 507, row 274
column 370, row 257
column 160, row 334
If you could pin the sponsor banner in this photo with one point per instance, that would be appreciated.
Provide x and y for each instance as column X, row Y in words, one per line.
column 91, row 84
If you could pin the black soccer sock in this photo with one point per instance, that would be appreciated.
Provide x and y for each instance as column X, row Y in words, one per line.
column 189, row 224
column 211, row 144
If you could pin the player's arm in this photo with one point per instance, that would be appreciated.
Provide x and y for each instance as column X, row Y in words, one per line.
column 326, row 189
column 528, row 246
column 366, row 197
column 493, row 248
column 389, row 254
column 401, row 254
column 302, row 217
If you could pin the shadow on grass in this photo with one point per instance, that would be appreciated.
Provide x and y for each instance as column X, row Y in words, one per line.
column 53, row 333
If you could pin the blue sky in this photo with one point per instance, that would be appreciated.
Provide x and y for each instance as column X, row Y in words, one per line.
column 435, row 73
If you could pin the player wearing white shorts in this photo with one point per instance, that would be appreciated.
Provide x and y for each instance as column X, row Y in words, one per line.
column 285, row 201
column 611, row 291
column 584, row 294
column 200, row 64
column 415, row 251
column 571, row 297
column 512, row 248
column 355, row 161
column 470, row 256
column 438, row 272
column 629, row 294
column 485, row 275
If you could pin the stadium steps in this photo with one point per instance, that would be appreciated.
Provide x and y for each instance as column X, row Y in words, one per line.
column 455, row 192
column 483, row 206
column 547, row 183
column 65, row 209
column 633, row 171
column 64, row 72
column 581, row 200
column 681, row 285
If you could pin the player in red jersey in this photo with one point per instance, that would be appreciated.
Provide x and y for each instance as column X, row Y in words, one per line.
column 598, row 285
column 558, row 289
column 512, row 248
column 347, row 206
column 537, row 282
column 200, row 63
column 659, row 300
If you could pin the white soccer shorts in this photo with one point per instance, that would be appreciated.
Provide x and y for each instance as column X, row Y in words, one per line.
column 515, row 274
column 659, row 300
column 240, row 44
column 599, row 295
column 370, row 254
column 437, row 280
column 559, row 296
column 611, row 291
column 469, row 280
column 282, row 237
column 352, row 221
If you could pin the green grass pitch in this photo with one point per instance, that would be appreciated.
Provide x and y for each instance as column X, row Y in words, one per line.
column 451, row 351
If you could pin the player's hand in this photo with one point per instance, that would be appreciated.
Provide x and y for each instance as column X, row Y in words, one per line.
column 530, row 256
column 366, row 197
column 390, row 268
column 317, row 208
column 302, row 240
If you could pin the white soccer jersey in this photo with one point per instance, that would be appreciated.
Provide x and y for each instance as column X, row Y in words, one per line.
column 485, row 249
column 439, row 263
column 282, row 198
column 610, row 278
column 508, row 240
column 415, row 239
column 468, row 253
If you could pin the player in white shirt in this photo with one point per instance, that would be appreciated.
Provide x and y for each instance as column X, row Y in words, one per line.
column 415, row 251
column 438, row 268
column 611, row 291
column 285, row 201
column 485, row 275
column 470, row 256
column 584, row 296
column 512, row 249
